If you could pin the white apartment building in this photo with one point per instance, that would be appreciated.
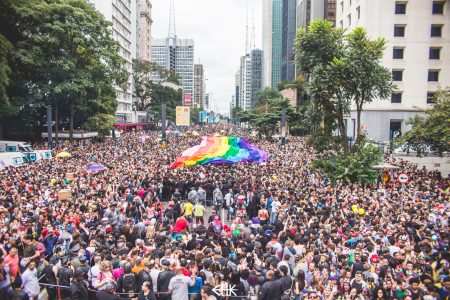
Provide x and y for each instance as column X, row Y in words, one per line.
column 122, row 14
column 145, row 29
column 176, row 55
column 417, row 52
column 245, row 86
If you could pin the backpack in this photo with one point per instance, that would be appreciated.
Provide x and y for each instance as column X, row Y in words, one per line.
column 129, row 282
column 217, row 228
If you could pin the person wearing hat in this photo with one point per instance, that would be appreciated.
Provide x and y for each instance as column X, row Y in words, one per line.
column 164, row 278
column 77, row 288
column 144, row 275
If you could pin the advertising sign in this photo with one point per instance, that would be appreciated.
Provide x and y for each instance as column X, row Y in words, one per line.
column 187, row 99
column 183, row 116
column 202, row 116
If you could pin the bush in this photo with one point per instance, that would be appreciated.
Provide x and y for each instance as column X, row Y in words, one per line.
column 354, row 167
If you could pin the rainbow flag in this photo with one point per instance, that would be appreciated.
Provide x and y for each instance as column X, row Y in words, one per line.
column 220, row 150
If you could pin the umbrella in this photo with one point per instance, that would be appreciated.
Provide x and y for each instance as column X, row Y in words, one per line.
column 95, row 168
column 63, row 154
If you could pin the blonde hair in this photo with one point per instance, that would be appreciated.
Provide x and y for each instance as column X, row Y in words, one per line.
column 104, row 264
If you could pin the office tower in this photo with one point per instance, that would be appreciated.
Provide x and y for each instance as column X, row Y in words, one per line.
column 177, row 56
column 417, row 52
column 308, row 10
column 288, row 37
column 199, row 83
column 272, row 41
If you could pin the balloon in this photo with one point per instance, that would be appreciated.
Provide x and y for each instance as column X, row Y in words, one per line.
column 354, row 208
column 361, row 211
column 236, row 233
column 52, row 181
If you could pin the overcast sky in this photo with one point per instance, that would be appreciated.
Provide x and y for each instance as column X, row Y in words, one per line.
column 218, row 30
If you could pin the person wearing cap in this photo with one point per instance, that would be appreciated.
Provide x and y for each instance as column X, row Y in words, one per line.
column 144, row 275
column 77, row 288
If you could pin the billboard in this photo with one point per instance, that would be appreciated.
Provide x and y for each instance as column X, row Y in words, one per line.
column 187, row 99
column 183, row 116
column 202, row 116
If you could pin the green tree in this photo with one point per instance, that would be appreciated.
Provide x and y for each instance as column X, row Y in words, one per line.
column 65, row 57
column 359, row 74
column 315, row 49
column 143, row 85
column 165, row 94
column 262, row 96
column 101, row 123
column 356, row 167
column 431, row 131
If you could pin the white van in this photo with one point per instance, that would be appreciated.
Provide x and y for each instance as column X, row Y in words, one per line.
column 26, row 149
column 8, row 159
column 15, row 146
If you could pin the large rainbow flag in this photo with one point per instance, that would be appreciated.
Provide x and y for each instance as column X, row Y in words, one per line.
column 220, row 150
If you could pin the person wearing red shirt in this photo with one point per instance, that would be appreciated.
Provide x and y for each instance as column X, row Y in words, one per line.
column 180, row 226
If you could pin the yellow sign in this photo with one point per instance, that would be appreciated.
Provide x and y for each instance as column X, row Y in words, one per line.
column 183, row 116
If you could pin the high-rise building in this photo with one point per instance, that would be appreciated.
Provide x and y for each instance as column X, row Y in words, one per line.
column 309, row 10
column 177, row 56
column 245, row 85
column 145, row 29
column 288, row 37
column 199, row 83
column 122, row 14
column 249, row 79
column 237, row 84
column 417, row 52
column 272, row 37
column 256, row 60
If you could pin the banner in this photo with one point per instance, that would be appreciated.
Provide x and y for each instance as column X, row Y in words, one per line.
column 202, row 116
column 183, row 116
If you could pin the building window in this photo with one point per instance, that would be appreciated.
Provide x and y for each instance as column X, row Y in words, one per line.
column 438, row 7
column 435, row 53
column 349, row 17
column 433, row 75
column 396, row 97
column 399, row 30
column 358, row 12
column 397, row 53
column 436, row 30
column 395, row 129
column 397, row 75
column 400, row 8
column 342, row 6
column 430, row 97
column 342, row 24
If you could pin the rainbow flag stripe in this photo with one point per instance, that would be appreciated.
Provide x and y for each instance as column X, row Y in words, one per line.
column 220, row 150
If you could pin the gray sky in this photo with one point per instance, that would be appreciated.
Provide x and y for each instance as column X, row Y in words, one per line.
column 218, row 30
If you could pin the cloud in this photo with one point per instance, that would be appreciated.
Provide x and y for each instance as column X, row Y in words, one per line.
column 218, row 29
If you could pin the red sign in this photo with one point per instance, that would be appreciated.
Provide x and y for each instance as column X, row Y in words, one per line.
column 187, row 99
column 403, row 178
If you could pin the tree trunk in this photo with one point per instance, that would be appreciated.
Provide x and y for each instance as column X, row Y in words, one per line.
column 358, row 121
column 1, row 127
column 56, row 122
column 342, row 130
column 71, row 121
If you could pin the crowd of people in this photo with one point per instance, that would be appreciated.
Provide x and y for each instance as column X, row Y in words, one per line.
column 276, row 230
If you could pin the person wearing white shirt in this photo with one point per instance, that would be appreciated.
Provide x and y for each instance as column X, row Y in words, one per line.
column 30, row 282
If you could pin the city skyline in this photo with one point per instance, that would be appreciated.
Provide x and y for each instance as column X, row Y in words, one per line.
column 218, row 46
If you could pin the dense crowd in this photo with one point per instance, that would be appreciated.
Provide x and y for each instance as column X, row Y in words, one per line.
column 276, row 230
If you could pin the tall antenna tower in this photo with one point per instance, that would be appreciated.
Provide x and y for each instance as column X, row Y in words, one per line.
column 246, row 34
column 252, row 36
column 172, row 27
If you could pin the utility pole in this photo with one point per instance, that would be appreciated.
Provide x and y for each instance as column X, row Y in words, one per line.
column 49, row 127
column 283, row 128
column 163, row 125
